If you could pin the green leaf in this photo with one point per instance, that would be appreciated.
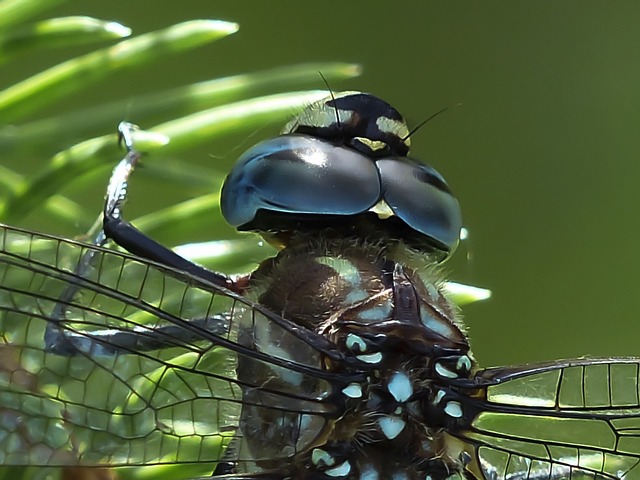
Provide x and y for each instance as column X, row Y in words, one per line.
column 68, row 77
column 59, row 32
column 13, row 12
column 205, row 126
column 169, row 103
column 464, row 294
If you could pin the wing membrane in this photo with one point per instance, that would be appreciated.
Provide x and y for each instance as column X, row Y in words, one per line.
column 573, row 419
column 83, row 380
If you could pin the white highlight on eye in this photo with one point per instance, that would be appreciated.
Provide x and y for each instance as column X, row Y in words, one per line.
column 340, row 471
column 400, row 386
column 391, row 426
column 313, row 157
column 353, row 390
column 453, row 409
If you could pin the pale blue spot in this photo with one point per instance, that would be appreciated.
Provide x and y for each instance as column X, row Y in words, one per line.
column 391, row 426
column 399, row 476
column 463, row 363
column 344, row 268
column 400, row 387
column 439, row 397
column 377, row 313
column 444, row 371
column 437, row 325
column 353, row 341
column 356, row 295
column 371, row 358
column 369, row 472
column 340, row 471
column 353, row 390
column 350, row 274
column 320, row 457
column 306, row 420
column 453, row 409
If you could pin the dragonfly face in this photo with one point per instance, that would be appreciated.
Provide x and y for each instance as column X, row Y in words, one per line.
column 340, row 358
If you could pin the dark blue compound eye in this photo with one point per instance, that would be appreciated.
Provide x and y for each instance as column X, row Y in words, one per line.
column 298, row 174
column 418, row 195
column 350, row 176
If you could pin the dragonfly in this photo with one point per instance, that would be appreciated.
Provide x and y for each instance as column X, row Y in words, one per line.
column 342, row 357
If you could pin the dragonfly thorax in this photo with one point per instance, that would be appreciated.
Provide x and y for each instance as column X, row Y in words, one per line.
column 391, row 328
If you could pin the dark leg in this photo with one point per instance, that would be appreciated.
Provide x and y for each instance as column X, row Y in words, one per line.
column 107, row 342
column 129, row 237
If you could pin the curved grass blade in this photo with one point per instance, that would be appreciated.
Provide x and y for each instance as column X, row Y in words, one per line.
column 59, row 206
column 238, row 255
column 208, row 124
column 25, row 97
column 191, row 130
column 13, row 12
column 59, row 32
column 463, row 294
column 171, row 103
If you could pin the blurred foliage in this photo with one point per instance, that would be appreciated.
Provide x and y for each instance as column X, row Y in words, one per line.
column 187, row 116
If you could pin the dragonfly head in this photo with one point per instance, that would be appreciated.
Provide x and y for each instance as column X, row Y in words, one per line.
column 342, row 164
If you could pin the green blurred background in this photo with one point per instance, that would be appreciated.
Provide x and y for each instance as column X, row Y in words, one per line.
column 540, row 144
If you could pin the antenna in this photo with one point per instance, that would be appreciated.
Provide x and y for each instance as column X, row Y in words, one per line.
column 332, row 98
column 424, row 122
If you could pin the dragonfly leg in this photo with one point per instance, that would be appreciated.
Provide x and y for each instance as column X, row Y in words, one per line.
column 136, row 340
column 132, row 239
column 115, row 228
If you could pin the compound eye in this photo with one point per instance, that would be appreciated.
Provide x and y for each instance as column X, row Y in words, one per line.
column 298, row 175
column 419, row 196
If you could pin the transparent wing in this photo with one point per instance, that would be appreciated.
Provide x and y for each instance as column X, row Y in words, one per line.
column 139, row 365
column 577, row 419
